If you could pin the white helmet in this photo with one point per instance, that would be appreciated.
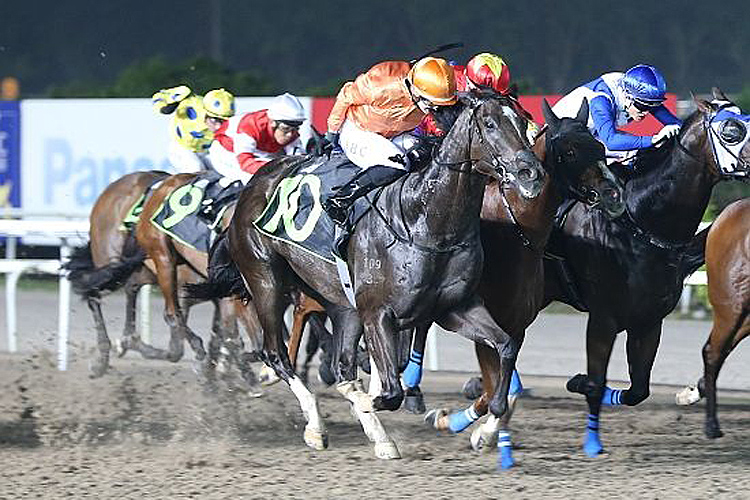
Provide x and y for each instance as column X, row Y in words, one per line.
column 286, row 108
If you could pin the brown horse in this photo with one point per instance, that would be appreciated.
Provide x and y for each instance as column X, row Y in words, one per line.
column 514, row 235
column 165, row 255
column 113, row 260
column 728, row 269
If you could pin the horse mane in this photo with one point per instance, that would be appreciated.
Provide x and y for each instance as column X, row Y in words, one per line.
column 648, row 158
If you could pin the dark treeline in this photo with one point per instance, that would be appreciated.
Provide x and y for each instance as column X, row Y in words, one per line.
column 311, row 47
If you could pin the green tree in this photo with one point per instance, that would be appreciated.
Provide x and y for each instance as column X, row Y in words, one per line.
column 143, row 78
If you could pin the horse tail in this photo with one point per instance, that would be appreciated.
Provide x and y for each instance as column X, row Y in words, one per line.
column 224, row 278
column 695, row 254
column 90, row 281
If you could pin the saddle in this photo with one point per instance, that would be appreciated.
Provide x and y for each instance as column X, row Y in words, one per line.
column 295, row 214
column 191, row 214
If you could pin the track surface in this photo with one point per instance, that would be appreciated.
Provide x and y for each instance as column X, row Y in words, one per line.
column 152, row 430
column 155, row 430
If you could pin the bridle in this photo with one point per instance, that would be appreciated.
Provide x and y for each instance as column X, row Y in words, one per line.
column 497, row 163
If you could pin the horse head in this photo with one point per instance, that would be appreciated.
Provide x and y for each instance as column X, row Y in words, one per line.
column 498, row 142
column 728, row 137
column 578, row 159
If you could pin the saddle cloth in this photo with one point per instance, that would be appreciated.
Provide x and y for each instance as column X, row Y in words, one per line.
column 191, row 213
column 294, row 214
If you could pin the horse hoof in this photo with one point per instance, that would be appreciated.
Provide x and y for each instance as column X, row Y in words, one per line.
column 713, row 432
column 121, row 347
column 505, row 460
column 577, row 384
column 316, row 439
column 390, row 403
column 254, row 393
column 472, row 388
column 414, row 401
column 593, row 449
column 387, row 450
column 267, row 376
column 97, row 369
column 688, row 396
column 483, row 441
column 437, row 419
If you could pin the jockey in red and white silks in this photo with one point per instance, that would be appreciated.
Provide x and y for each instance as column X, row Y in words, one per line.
column 245, row 143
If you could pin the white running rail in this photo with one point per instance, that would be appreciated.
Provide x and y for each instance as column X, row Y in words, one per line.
column 68, row 233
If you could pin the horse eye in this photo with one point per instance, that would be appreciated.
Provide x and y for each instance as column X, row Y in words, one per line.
column 489, row 123
column 733, row 132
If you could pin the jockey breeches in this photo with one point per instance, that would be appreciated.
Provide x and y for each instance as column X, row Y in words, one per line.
column 366, row 149
column 185, row 161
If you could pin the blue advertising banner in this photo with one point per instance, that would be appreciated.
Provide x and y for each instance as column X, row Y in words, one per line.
column 10, row 149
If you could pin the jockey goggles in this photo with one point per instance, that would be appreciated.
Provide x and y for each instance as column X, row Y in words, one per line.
column 646, row 105
column 729, row 126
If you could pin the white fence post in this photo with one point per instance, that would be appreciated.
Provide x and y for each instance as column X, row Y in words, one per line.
column 63, row 324
column 10, row 296
column 144, row 313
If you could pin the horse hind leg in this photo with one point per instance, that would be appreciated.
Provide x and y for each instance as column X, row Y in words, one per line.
column 348, row 331
column 724, row 337
column 101, row 364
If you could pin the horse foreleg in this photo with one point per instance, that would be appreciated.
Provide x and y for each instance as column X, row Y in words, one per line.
column 101, row 365
column 195, row 342
column 600, row 337
column 129, row 337
column 412, row 375
column 475, row 323
column 347, row 331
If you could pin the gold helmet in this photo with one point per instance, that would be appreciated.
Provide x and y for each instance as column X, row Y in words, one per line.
column 219, row 104
column 433, row 79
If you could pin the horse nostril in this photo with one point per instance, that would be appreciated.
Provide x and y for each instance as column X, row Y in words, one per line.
column 612, row 194
column 527, row 174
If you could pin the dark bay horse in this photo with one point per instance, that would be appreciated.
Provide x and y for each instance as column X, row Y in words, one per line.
column 416, row 258
column 629, row 271
column 514, row 233
column 728, row 269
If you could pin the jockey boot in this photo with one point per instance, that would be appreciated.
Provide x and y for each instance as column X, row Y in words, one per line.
column 343, row 197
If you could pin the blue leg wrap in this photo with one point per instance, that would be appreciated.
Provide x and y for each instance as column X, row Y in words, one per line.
column 504, row 450
column 612, row 397
column 516, row 387
column 457, row 422
column 591, row 443
column 412, row 375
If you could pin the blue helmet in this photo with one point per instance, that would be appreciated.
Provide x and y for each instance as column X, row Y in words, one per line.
column 645, row 84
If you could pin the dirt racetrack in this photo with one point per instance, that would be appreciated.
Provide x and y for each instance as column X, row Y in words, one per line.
column 149, row 429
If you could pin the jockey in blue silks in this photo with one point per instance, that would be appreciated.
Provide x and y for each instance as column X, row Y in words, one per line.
column 616, row 99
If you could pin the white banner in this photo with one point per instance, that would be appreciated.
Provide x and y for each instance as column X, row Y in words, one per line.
column 71, row 149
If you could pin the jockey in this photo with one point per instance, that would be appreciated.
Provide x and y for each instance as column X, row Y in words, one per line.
column 484, row 71
column 194, row 121
column 245, row 143
column 372, row 115
column 616, row 99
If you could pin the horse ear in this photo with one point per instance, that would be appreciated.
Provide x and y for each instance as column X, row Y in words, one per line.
column 550, row 117
column 719, row 95
column 702, row 105
column 583, row 113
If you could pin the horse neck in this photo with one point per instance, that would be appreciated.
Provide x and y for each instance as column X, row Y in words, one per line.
column 447, row 199
column 669, row 199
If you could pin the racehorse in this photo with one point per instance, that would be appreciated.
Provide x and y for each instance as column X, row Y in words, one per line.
column 514, row 233
column 111, row 261
column 629, row 271
column 166, row 254
column 728, row 269
column 416, row 258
